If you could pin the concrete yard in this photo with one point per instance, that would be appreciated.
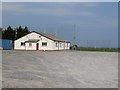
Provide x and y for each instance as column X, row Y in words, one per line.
column 59, row 69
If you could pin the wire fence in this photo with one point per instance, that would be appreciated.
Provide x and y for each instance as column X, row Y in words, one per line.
column 69, row 32
column 98, row 43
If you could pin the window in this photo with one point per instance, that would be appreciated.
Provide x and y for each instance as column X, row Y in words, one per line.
column 56, row 44
column 44, row 43
column 30, row 44
column 67, row 44
column 60, row 44
column 22, row 44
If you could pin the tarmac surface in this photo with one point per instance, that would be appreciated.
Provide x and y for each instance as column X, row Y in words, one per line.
column 59, row 69
column 0, row 69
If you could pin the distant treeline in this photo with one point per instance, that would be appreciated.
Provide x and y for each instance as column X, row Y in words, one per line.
column 14, row 33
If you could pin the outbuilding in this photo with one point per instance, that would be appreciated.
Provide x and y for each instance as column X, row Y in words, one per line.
column 41, row 41
column 5, row 44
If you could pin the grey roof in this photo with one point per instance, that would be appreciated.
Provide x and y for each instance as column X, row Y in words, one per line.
column 50, row 36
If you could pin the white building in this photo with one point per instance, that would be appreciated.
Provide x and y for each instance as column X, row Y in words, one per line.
column 40, row 41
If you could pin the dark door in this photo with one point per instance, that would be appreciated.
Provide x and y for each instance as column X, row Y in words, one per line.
column 37, row 46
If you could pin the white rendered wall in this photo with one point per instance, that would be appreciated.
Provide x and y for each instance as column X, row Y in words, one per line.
column 33, row 47
column 62, row 47
column 17, row 43
column 51, row 45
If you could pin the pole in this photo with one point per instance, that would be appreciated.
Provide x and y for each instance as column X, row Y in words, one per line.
column 56, row 32
column 95, row 43
column 74, row 37
column 44, row 30
column 15, row 33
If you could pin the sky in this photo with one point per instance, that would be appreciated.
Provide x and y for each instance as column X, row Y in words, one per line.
column 0, row 14
column 92, row 23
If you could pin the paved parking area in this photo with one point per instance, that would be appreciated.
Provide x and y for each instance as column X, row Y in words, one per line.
column 59, row 69
column 0, row 69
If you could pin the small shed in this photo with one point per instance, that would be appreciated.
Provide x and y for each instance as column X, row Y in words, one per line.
column 5, row 44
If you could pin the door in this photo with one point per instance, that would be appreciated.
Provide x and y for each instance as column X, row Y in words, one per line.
column 37, row 46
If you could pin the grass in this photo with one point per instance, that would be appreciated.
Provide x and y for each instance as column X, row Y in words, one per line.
column 98, row 49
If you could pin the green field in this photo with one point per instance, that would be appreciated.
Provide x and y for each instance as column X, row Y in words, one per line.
column 98, row 49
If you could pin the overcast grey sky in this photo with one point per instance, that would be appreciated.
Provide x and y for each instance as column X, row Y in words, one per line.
column 93, row 21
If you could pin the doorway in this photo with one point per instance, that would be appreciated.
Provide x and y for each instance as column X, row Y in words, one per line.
column 37, row 46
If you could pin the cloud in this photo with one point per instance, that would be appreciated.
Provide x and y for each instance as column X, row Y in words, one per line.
column 59, row 9
column 59, row 12
column 60, row 0
column 89, row 4
column 95, row 24
column 12, row 7
column 0, row 6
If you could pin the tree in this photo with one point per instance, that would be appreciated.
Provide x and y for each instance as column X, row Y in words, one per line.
column 22, row 32
column 14, row 34
column 8, row 33
column 25, row 31
column 19, row 32
column 0, row 32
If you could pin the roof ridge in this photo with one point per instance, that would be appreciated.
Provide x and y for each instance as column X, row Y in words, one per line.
column 53, row 37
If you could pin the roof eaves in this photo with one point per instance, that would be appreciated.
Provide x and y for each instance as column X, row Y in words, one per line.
column 48, row 37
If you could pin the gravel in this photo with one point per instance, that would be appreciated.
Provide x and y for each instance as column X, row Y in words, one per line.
column 59, row 69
